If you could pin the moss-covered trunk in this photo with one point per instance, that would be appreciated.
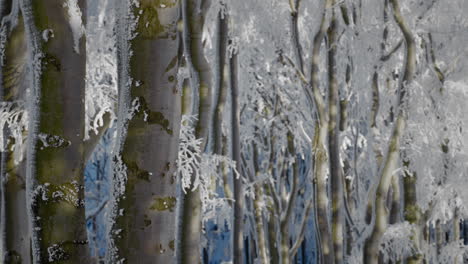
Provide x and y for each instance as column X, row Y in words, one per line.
column 200, row 84
column 15, row 231
column 144, row 209
column 55, row 155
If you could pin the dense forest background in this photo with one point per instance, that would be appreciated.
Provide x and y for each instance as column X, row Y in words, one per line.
column 224, row 131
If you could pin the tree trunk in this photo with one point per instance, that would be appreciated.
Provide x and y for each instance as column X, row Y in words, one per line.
column 272, row 239
column 371, row 249
column 14, row 216
column 200, row 84
column 395, row 211
column 238, row 233
column 289, row 201
column 336, row 177
column 259, row 228
column 55, row 162
column 320, row 143
column 320, row 163
column 413, row 215
column 144, row 186
column 381, row 222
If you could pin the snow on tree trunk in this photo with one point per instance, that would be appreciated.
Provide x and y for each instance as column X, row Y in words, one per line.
column 54, row 168
column 14, row 219
column 238, row 192
column 193, row 16
column 143, row 215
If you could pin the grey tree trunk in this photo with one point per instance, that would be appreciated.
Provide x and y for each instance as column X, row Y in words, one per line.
column 381, row 213
column 238, row 233
column 321, row 158
column 200, row 84
column 336, row 177
column 55, row 162
column 144, row 194
column 15, row 231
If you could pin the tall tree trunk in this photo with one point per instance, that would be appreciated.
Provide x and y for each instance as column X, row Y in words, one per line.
column 320, row 143
column 413, row 215
column 381, row 213
column 371, row 249
column 55, row 162
column 144, row 187
column 259, row 222
column 395, row 211
column 220, row 84
column 320, row 163
column 238, row 234
column 272, row 239
column 336, row 177
column 14, row 217
column 200, row 84
column 289, row 201
column 220, row 89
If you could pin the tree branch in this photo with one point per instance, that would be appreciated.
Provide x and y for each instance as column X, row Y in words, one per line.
column 297, row 244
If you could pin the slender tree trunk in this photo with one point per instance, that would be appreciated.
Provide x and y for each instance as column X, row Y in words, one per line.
column 200, row 84
column 144, row 186
column 272, row 240
column 320, row 143
column 14, row 217
column 321, row 162
column 456, row 226
column 260, row 228
column 289, row 202
column 220, row 85
column 238, row 233
column 395, row 211
column 371, row 250
column 381, row 213
column 336, row 180
column 413, row 215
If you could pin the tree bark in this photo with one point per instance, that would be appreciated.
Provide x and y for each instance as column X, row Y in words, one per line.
column 320, row 163
column 15, row 227
column 336, row 177
column 144, row 185
column 238, row 233
column 200, row 84
column 371, row 249
column 381, row 222
column 320, row 143
column 54, row 171
column 260, row 228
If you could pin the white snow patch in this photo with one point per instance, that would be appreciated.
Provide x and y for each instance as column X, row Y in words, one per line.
column 14, row 117
column 76, row 24
column 201, row 170
column 47, row 34
column 396, row 242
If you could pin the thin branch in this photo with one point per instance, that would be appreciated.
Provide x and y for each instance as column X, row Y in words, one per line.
column 291, row 200
column 295, row 34
column 275, row 196
column 387, row 56
column 97, row 210
column 300, row 74
column 194, row 75
column 297, row 244
column 314, row 79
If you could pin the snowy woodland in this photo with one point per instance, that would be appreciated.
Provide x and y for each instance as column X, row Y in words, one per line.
column 234, row 131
